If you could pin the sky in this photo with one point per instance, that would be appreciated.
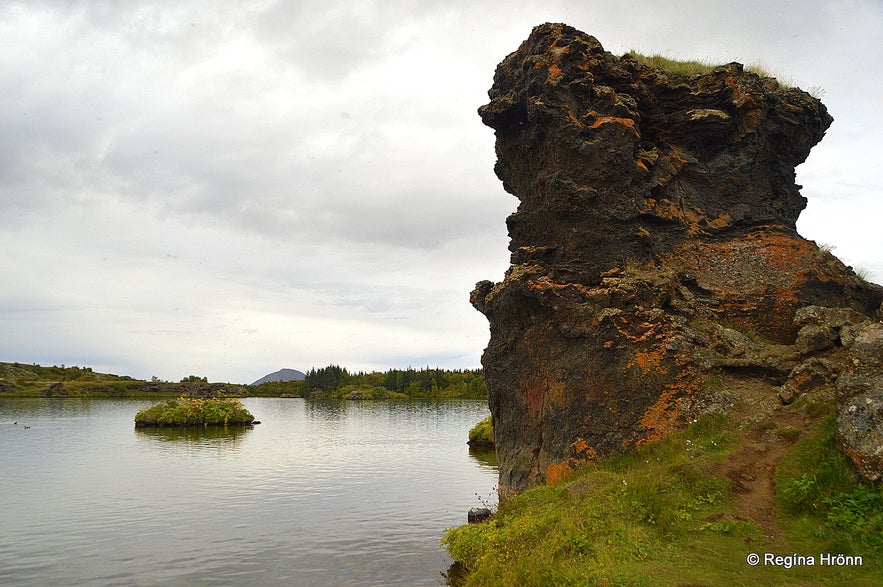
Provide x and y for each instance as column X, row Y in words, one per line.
column 224, row 188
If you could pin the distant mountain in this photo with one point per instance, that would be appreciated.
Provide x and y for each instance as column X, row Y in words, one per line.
column 282, row 375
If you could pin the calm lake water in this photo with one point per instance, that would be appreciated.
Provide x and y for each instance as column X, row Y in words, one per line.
column 321, row 493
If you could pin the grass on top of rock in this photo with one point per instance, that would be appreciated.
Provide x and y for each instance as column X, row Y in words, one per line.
column 665, row 516
column 194, row 412
column 689, row 66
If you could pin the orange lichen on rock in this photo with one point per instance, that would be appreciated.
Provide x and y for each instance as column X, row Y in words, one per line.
column 665, row 414
column 551, row 61
column 555, row 74
column 545, row 283
column 635, row 332
column 627, row 122
column 650, row 361
column 558, row 471
column 694, row 219
column 583, row 456
column 783, row 251
column 759, row 277
column 572, row 117
column 719, row 222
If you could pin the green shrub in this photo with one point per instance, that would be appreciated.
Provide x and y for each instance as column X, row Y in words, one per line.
column 858, row 513
column 814, row 471
column 195, row 412
column 821, row 494
column 482, row 434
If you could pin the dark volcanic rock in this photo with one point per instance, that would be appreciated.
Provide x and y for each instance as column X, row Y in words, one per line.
column 614, row 160
column 654, row 244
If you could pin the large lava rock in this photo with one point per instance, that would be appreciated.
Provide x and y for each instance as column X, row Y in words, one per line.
column 654, row 243
column 859, row 429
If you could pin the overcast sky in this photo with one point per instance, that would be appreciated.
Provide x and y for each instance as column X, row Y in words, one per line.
column 225, row 188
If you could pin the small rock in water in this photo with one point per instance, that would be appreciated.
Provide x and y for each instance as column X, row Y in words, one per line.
column 478, row 515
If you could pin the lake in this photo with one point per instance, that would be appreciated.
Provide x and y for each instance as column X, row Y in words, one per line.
column 321, row 493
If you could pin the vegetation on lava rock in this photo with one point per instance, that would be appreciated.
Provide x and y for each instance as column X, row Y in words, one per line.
column 482, row 434
column 195, row 412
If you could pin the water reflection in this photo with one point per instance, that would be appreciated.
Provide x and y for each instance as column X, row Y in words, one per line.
column 485, row 457
column 326, row 409
column 213, row 436
column 27, row 410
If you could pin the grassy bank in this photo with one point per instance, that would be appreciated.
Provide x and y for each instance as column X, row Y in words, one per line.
column 194, row 412
column 667, row 516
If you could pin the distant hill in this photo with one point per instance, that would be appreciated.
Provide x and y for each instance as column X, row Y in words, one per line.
column 282, row 375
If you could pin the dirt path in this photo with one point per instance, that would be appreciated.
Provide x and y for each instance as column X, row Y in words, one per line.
column 768, row 435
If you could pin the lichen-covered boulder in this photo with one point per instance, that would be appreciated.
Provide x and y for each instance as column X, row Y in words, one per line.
column 859, row 432
column 859, row 429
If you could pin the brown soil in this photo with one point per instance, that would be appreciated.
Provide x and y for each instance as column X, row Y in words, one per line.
column 769, row 431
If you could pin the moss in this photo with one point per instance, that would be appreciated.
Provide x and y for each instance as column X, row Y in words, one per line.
column 711, row 384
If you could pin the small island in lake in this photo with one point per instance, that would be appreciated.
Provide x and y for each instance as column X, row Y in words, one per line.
column 482, row 434
column 195, row 412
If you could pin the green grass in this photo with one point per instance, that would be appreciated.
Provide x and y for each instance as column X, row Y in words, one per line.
column 819, row 497
column 690, row 66
column 661, row 517
column 194, row 412
column 482, row 434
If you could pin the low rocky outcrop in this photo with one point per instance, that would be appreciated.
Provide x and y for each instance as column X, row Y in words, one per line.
column 654, row 246
column 860, row 390
column 56, row 389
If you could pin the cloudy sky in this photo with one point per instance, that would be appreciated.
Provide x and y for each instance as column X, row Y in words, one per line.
column 225, row 188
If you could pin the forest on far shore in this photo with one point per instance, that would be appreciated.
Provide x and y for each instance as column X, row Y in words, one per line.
column 334, row 381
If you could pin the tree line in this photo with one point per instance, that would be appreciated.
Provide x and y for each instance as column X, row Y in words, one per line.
column 335, row 381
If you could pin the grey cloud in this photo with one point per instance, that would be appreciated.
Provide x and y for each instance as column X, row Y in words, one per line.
column 312, row 176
